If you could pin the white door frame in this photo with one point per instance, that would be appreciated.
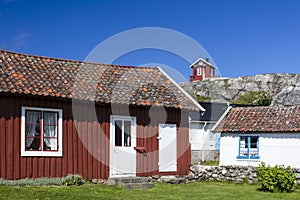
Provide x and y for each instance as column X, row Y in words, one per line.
column 122, row 158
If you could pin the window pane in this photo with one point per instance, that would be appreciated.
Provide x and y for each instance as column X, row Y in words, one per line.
column 50, row 130
column 243, row 146
column 243, row 142
column 253, row 142
column 32, row 130
column 253, row 146
column 118, row 133
column 199, row 70
column 127, row 133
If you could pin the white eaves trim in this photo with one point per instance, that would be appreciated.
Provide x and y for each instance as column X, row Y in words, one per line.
column 221, row 118
column 202, row 61
column 182, row 90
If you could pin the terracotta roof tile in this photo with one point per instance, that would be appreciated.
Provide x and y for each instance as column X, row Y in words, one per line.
column 261, row 119
column 43, row 76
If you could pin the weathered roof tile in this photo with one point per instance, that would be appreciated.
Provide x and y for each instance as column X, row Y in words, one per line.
column 260, row 119
column 43, row 76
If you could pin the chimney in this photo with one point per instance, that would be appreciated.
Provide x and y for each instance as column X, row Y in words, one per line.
column 207, row 60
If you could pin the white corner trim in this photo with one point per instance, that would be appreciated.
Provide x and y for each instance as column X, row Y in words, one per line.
column 60, row 133
column 182, row 90
column 221, row 118
column 202, row 61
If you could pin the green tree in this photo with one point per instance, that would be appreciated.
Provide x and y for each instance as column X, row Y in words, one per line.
column 260, row 98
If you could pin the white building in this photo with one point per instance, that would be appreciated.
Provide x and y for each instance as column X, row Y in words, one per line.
column 205, row 143
column 251, row 135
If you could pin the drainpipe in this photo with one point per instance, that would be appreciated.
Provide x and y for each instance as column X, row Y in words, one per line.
column 202, row 152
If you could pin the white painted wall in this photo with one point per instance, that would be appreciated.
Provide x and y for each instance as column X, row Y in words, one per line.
column 274, row 149
column 200, row 136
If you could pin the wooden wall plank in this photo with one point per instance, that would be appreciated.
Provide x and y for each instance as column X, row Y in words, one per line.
column 41, row 168
column 99, row 146
column 35, row 167
column 79, row 150
column 96, row 146
column 74, row 133
column 89, row 142
column 9, row 148
column 103, row 154
column 58, row 167
column 17, row 147
column 65, row 146
column 53, row 167
column 69, row 147
column 2, row 148
column 47, row 167
column 106, row 139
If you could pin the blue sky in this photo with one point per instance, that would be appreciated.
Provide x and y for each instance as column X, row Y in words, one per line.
column 243, row 37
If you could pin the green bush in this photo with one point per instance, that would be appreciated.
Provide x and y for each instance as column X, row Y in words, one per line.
column 72, row 179
column 260, row 98
column 275, row 178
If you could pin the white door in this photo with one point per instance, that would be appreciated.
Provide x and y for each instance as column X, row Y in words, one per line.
column 167, row 148
column 122, row 143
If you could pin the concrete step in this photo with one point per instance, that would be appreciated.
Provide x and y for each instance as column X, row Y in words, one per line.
column 137, row 186
column 131, row 183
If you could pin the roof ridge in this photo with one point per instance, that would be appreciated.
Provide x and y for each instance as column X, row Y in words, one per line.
column 74, row 61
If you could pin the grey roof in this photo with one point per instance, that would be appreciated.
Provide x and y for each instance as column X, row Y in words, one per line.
column 213, row 112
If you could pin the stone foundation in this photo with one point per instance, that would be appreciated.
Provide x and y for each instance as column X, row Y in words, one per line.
column 236, row 174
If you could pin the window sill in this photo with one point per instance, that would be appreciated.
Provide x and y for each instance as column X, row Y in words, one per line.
column 251, row 158
column 42, row 153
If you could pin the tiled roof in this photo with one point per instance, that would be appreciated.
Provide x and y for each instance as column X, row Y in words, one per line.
column 43, row 76
column 260, row 120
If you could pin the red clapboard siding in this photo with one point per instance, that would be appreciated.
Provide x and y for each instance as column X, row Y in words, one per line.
column 47, row 167
column 65, row 139
column 74, row 156
column 16, row 147
column 2, row 148
column 85, row 141
column 9, row 148
column 68, row 149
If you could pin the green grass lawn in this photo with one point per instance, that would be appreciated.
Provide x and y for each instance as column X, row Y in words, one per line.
column 201, row 190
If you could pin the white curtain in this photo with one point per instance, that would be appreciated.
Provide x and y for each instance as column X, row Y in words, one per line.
column 32, row 121
column 50, row 130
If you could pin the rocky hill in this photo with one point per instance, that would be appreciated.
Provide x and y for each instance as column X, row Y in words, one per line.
column 284, row 88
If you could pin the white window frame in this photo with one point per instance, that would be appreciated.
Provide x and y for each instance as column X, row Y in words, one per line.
column 199, row 71
column 57, row 153
column 212, row 72
column 132, row 120
column 248, row 144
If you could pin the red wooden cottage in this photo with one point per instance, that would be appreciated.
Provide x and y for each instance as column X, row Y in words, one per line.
column 202, row 69
column 60, row 117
